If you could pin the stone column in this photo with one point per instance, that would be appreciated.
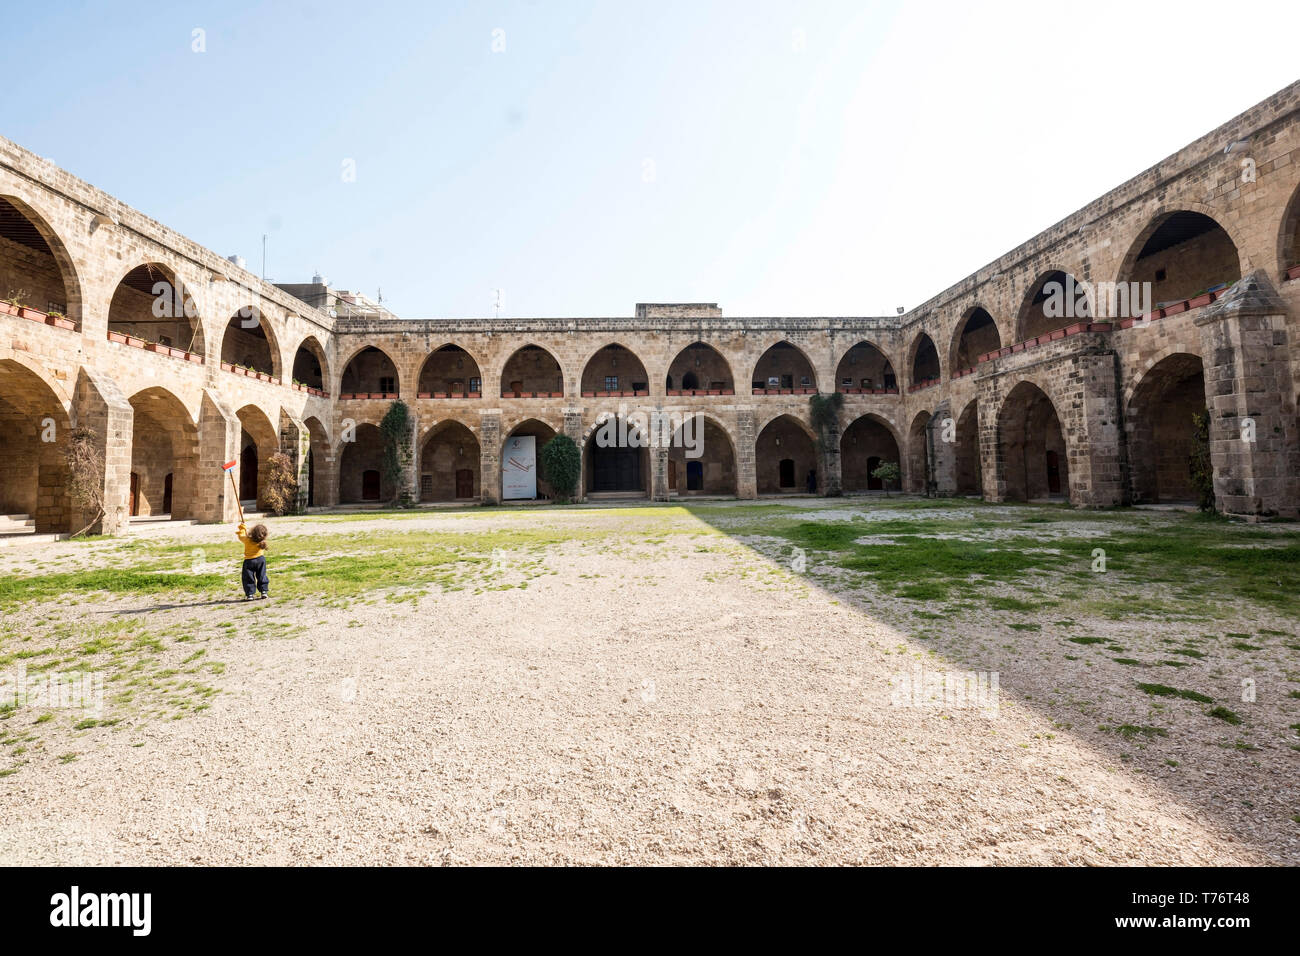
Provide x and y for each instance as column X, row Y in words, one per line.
column 99, row 406
column 573, row 428
column 941, row 446
column 1248, row 388
column 214, row 500
column 295, row 442
column 746, row 468
column 490, row 456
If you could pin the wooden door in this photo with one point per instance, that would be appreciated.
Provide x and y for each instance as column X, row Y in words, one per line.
column 464, row 483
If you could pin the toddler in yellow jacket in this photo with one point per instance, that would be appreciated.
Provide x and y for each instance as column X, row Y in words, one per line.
column 254, row 571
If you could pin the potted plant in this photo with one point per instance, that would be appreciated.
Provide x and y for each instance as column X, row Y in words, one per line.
column 117, row 336
column 157, row 348
column 424, row 395
column 134, row 342
column 439, row 394
column 60, row 321
column 1205, row 298
column 728, row 391
column 1099, row 327
column 475, row 394
column 1293, row 273
column 1176, row 308
column 263, row 377
column 194, row 357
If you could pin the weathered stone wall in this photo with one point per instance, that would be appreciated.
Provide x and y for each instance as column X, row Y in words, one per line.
column 1109, row 447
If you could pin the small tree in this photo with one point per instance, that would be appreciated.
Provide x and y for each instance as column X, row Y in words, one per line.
column 561, row 464
column 85, row 471
column 279, row 486
column 888, row 472
column 1199, row 465
column 396, row 429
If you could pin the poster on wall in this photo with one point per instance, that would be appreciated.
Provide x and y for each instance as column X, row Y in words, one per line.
column 519, row 468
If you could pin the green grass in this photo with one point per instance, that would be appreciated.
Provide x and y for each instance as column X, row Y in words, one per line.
column 1164, row 690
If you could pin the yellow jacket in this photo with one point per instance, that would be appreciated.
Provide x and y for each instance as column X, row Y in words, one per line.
column 251, row 548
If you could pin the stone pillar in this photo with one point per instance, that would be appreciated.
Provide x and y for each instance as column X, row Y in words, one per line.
column 832, row 478
column 490, row 456
column 99, row 406
column 941, row 446
column 573, row 428
column 408, row 491
column 746, row 468
column 214, row 500
column 1248, row 389
column 295, row 442
column 992, row 488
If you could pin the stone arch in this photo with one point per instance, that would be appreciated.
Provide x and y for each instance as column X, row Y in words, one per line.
column 371, row 371
column 602, row 372
column 449, row 371
column 320, row 460
column 542, row 432
column 1182, row 253
column 311, row 366
column 923, row 363
column 1053, row 301
column 868, row 442
column 34, row 261
column 713, row 471
column 450, row 463
column 34, row 430
column 1158, row 419
column 976, row 334
column 969, row 474
column 1288, row 239
column 164, row 442
column 248, row 340
column 1032, row 453
column 616, row 457
column 865, row 367
column 361, row 467
column 700, row 367
column 151, row 303
column 259, row 439
column 786, row 365
column 532, row 370
column 785, row 451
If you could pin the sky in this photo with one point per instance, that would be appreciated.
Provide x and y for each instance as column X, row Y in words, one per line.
column 775, row 157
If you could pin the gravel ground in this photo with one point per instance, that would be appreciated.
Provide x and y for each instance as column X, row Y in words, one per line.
column 677, row 702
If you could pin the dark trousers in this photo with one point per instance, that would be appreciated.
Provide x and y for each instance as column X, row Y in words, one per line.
column 254, row 575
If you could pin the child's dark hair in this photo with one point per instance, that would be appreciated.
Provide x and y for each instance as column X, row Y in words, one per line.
column 258, row 534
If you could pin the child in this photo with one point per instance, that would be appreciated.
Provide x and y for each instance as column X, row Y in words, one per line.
column 254, row 573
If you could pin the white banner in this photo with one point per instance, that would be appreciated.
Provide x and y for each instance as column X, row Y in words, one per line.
column 519, row 468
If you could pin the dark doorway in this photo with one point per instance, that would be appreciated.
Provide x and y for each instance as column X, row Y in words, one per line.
column 311, row 478
column 248, row 474
column 873, row 483
column 694, row 476
column 672, row 476
column 370, row 485
column 464, row 483
column 787, row 473
column 1053, row 473
column 135, row 494
column 616, row 469
column 167, row 494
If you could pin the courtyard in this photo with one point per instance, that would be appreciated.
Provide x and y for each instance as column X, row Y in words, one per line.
column 719, row 682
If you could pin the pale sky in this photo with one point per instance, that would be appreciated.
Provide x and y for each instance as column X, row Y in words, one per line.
column 778, row 158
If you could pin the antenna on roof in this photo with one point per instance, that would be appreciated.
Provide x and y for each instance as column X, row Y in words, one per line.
column 498, row 292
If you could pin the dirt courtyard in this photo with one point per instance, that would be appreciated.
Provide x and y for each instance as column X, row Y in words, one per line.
column 649, row 685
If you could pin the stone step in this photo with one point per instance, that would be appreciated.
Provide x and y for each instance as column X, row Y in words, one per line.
column 157, row 524
column 24, row 538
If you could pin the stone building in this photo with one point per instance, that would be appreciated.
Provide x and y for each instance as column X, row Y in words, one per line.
column 1070, row 367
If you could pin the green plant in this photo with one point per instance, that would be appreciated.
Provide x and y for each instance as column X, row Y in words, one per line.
column 887, row 472
column 1199, row 464
column 824, row 412
column 396, row 430
column 279, row 486
column 562, row 463
column 15, row 297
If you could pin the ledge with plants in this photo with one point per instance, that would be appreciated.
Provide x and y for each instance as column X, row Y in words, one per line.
column 244, row 370
column 126, row 338
column 13, row 305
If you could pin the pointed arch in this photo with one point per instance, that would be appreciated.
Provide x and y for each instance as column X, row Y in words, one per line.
column 248, row 341
column 975, row 335
column 867, row 443
column 785, row 458
column 864, row 367
column 311, row 366
column 700, row 368
column 614, row 369
column 450, row 371
column 150, row 303
column 35, row 262
column 370, row 371
column 923, row 364
column 783, row 368
column 532, row 371
column 1182, row 253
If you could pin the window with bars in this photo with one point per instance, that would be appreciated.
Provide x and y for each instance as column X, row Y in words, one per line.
column 611, row 383
column 387, row 384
